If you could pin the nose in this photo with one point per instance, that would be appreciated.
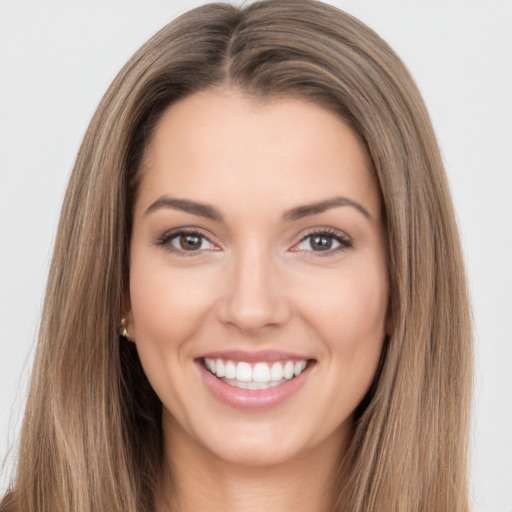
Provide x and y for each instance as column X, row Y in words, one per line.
column 254, row 296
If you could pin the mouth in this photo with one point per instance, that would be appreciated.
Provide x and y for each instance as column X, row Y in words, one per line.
column 255, row 375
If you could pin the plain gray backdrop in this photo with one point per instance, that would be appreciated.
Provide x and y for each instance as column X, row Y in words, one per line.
column 57, row 58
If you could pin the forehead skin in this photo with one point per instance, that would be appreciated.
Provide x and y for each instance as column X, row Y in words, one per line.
column 218, row 126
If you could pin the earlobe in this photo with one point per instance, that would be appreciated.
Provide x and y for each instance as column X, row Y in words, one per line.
column 126, row 328
column 126, row 325
column 124, row 331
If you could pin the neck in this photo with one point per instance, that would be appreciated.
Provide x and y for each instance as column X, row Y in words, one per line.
column 196, row 479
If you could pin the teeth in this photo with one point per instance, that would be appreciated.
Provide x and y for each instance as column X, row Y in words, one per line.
column 276, row 372
column 243, row 372
column 299, row 367
column 220, row 371
column 230, row 370
column 258, row 376
column 261, row 373
column 253, row 385
column 288, row 370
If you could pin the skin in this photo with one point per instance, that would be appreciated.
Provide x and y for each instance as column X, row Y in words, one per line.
column 257, row 283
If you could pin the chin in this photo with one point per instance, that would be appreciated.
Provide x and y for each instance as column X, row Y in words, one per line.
column 257, row 453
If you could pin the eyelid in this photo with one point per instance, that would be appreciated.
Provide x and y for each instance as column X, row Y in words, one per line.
column 345, row 241
column 165, row 239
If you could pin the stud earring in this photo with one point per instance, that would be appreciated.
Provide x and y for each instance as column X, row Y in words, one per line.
column 124, row 333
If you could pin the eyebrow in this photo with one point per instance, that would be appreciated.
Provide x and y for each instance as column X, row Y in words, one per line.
column 299, row 212
column 185, row 205
column 315, row 208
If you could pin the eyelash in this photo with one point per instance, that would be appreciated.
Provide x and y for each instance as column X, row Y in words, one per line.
column 344, row 241
column 166, row 239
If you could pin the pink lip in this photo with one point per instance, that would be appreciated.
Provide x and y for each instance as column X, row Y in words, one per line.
column 269, row 356
column 248, row 398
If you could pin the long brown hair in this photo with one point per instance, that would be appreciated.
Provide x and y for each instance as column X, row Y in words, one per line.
column 91, row 438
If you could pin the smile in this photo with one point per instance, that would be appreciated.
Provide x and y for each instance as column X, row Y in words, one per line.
column 254, row 380
column 254, row 376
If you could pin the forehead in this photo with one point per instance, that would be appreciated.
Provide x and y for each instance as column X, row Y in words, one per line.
column 221, row 146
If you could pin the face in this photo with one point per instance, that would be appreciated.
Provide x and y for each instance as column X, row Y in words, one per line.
column 258, row 281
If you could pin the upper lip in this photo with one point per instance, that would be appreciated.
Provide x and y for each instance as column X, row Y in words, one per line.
column 254, row 356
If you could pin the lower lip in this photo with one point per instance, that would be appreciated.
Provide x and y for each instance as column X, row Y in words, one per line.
column 252, row 398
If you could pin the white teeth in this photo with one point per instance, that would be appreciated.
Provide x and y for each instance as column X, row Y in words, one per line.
column 219, row 364
column 243, row 372
column 230, row 370
column 258, row 376
column 288, row 370
column 299, row 367
column 261, row 373
column 253, row 385
column 276, row 372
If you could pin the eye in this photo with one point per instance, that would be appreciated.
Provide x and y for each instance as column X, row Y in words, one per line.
column 325, row 241
column 190, row 242
column 186, row 242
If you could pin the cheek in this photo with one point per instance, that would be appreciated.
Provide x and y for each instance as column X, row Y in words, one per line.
column 166, row 303
column 350, row 306
column 349, row 315
column 168, row 307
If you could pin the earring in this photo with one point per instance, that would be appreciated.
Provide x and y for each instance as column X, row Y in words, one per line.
column 124, row 333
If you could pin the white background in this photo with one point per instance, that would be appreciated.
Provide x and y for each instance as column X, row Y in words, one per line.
column 57, row 57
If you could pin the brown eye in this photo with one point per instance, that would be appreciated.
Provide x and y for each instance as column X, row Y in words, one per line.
column 321, row 242
column 190, row 242
column 324, row 242
column 187, row 242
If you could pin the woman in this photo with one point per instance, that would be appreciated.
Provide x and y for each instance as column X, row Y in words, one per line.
column 259, row 208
